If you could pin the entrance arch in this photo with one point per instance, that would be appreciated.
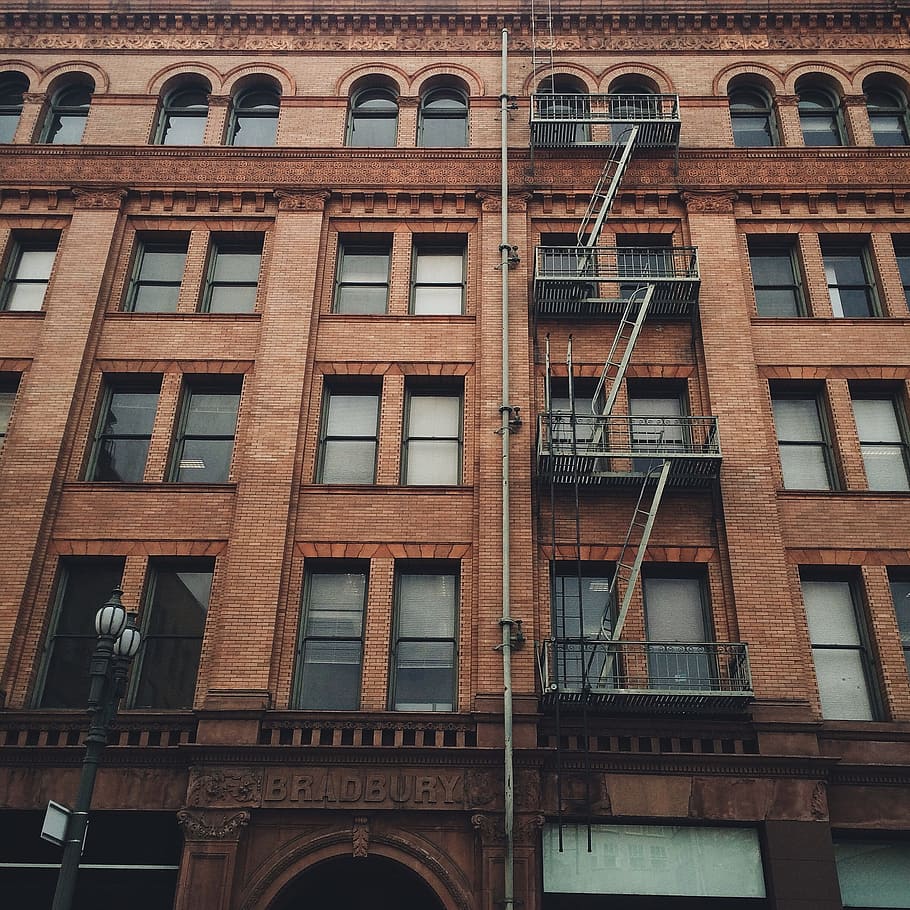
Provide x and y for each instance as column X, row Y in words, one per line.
column 346, row 882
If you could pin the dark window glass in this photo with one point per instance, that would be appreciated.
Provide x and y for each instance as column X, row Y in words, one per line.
column 66, row 115
column 374, row 119
column 331, row 640
column 655, row 423
column 254, row 118
column 900, row 594
column 350, row 434
column 124, row 431
column 362, row 285
column 12, row 87
column 819, row 118
column 572, row 415
column 233, row 275
column 205, row 439
column 423, row 652
column 902, row 252
column 173, row 621
column 802, row 439
column 28, row 271
column 444, row 119
column 432, row 441
column 849, row 273
column 880, row 427
column 753, row 118
column 564, row 106
column 675, row 622
column 157, row 275
column 582, row 616
column 887, row 116
column 9, row 383
column 839, row 651
column 83, row 588
column 438, row 280
column 183, row 115
column 776, row 279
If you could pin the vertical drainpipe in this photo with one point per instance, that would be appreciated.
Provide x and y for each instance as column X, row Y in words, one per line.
column 506, row 623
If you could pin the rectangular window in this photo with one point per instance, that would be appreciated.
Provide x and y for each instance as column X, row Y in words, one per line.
column 233, row 274
column 850, row 283
column 900, row 594
column 873, row 873
column 157, row 274
column 124, row 429
column 581, row 611
column 173, row 622
column 676, row 609
column 568, row 426
column 9, row 383
column 28, row 271
column 362, row 285
column 423, row 651
column 432, row 438
column 776, row 278
column 83, row 588
column 902, row 251
column 330, row 651
column 802, row 438
column 350, row 435
column 205, row 436
column 642, row 255
column 838, row 648
column 439, row 278
column 656, row 425
column 880, row 425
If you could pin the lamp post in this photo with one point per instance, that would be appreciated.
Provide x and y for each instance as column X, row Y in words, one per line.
column 118, row 642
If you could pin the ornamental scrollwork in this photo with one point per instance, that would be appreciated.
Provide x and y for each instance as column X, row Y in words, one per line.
column 208, row 825
column 213, row 787
column 302, row 201
column 111, row 198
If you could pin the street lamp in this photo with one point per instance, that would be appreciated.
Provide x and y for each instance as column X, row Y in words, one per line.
column 118, row 642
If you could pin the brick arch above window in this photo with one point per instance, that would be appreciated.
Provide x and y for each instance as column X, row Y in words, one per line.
column 881, row 71
column 73, row 71
column 24, row 69
column 382, row 74
column 582, row 75
column 748, row 73
column 167, row 79
column 244, row 77
column 833, row 78
column 431, row 77
column 637, row 73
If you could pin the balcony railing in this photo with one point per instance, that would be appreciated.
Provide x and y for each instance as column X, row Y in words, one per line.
column 570, row 120
column 584, row 283
column 619, row 450
column 655, row 677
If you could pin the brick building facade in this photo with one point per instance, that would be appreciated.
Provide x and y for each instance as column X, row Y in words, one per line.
column 251, row 364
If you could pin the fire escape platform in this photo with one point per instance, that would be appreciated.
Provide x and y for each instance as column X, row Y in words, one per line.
column 564, row 120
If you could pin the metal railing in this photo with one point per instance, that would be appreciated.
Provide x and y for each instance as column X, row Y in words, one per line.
column 585, row 281
column 566, row 119
column 645, row 675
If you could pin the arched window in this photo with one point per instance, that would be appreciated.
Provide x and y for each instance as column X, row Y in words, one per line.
column 254, row 117
column 752, row 116
column 374, row 118
column 183, row 115
column 819, row 116
column 66, row 115
column 443, row 119
column 12, row 87
column 888, row 115
column 634, row 99
column 567, row 113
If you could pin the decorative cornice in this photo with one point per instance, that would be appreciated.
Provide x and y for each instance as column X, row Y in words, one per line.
column 207, row 826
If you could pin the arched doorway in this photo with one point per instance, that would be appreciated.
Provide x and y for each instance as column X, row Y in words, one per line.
column 349, row 883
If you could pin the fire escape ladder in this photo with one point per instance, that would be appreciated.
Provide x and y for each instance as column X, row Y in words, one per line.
column 606, row 189
column 614, row 370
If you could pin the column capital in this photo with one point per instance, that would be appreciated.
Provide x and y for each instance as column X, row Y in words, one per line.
column 710, row 203
column 301, row 200
column 99, row 198
column 219, row 100
column 212, row 825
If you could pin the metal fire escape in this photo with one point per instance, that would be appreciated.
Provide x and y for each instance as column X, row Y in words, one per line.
column 591, row 447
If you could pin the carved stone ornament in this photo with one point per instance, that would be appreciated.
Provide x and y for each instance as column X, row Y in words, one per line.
column 33, row 97
column 219, row 100
column 408, row 101
column 819, row 804
column 234, row 787
column 206, row 824
column 854, row 100
column 111, row 198
column 489, row 202
column 360, row 837
column 289, row 201
column 480, row 788
column 527, row 828
column 710, row 203
column 527, row 790
column 518, row 202
column 490, row 829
